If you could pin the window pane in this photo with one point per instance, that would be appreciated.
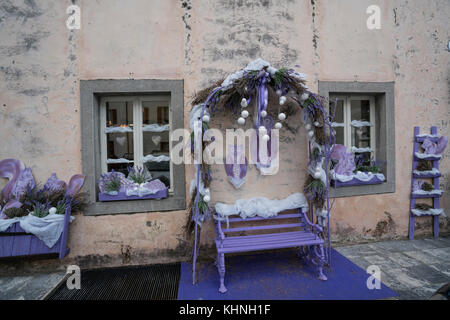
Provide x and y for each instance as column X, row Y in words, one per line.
column 360, row 113
column 339, row 135
column 119, row 135
column 360, row 110
column 155, row 127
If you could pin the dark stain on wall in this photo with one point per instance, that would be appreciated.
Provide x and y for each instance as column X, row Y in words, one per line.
column 385, row 227
column 29, row 9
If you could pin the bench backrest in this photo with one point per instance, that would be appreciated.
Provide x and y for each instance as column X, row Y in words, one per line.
column 245, row 225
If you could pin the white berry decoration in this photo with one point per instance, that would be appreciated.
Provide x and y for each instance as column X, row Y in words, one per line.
column 263, row 113
column 278, row 125
column 205, row 118
column 278, row 92
column 241, row 121
column 262, row 129
column 266, row 137
column 308, row 127
column 282, row 100
column 282, row 116
column 310, row 133
column 244, row 114
column 206, row 198
column 317, row 174
column 244, row 103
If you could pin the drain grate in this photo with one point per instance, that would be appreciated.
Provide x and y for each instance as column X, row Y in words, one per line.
column 154, row 282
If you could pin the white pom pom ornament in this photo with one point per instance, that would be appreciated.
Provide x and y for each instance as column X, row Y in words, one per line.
column 278, row 125
column 206, row 198
column 308, row 127
column 244, row 114
column 282, row 116
column 262, row 129
column 205, row 118
column 244, row 103
column 278, row 92
column 52, row 210
column 263, row 113
column 310, row 134
column 282, row 100
column 241, row 121
column 266, row 137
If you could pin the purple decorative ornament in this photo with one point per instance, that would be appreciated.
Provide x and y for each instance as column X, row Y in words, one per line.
column 10, row 169
column 53, row 184
column 75, row 184
column 236, row 165
column 435, row 148
column 24, row 181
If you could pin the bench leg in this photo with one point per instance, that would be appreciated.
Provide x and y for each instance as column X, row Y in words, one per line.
column 321, row 263
column 221, row 269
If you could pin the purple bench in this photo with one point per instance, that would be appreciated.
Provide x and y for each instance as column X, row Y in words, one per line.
column 236, row 238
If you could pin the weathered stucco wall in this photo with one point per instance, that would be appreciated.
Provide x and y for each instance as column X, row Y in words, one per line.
column 41, row 63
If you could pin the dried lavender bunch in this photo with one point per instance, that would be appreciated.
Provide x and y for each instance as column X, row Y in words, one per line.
column 423, row 206
column 111, row 181
column 40, row 209
column 139, row 174
column 427, row 186
column 15, row 212
column 315, row 192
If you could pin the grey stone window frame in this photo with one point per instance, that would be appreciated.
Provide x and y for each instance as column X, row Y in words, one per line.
column 385, row 131
column 91, row 91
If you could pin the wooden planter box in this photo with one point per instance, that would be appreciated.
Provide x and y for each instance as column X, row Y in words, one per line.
column 355, row 182
column 15, row 242
column 122, row 196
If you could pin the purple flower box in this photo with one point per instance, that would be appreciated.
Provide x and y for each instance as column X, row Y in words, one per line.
column 355, row 182
column 103, row 197
column 15, row 242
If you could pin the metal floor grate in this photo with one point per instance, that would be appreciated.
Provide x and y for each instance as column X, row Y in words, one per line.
column 154, row 282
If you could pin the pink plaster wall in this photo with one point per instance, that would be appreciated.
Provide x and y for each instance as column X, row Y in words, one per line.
column 41, row 63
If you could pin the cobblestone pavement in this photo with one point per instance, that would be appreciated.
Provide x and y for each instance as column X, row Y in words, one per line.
column 415, row 269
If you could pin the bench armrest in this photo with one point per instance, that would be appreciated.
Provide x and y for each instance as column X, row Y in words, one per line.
column 304, row 218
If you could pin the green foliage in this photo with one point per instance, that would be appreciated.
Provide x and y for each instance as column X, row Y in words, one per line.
column 279, row 76
column 113, row 185
column 373, row 169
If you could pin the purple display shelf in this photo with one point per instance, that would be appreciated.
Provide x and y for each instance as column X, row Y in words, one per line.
column 417, row 141
column 15, row 242
column 422, row 139
column 122, row 196
column 431, row 157
column 421, row 196
column 355, row 182
column 426, row 176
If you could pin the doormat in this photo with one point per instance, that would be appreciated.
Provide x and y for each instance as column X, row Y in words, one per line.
column 153, row 282
column 280, row 275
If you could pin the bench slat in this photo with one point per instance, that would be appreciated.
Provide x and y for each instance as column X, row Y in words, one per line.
column 292, row 234
column 280, row 216
column 263, row 245
column 274, row 226
column 268, row 241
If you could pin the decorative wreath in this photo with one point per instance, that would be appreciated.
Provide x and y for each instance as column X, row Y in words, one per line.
column 278, row 93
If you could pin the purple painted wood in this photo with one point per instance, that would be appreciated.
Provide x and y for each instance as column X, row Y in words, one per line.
column 307, row 236
column 426, row 176
column 421, row 196
column 355, row 182
column 436, row 199
column 432, row 158
column 417, row 141
column 15, row 242
column 122, row 196
column 422, row 139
